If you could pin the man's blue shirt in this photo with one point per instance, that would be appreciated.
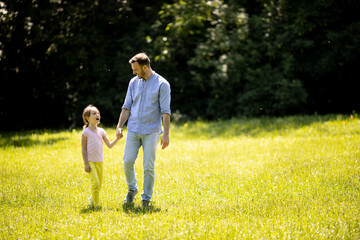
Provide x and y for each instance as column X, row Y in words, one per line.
column 147, row 100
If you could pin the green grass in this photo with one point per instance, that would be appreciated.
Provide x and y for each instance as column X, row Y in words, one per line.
column 283, row 178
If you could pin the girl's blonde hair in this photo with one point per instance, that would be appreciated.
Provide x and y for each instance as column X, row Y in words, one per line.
column 87, row 112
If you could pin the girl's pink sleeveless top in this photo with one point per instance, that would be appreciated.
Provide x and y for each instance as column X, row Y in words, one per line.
column 94, row 144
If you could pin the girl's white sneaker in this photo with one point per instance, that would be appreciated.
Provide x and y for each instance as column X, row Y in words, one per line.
column 91, row 204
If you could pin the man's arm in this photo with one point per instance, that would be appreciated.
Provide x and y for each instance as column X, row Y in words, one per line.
column 124, row 115
column 165, row 140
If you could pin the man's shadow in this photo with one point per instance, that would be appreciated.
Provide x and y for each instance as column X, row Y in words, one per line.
column 130, row 208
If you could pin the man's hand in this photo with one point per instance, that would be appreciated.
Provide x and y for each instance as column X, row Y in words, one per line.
column 165, row 141
column 87, row 167
column 124, row 115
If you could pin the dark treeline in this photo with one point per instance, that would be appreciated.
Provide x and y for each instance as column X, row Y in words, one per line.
column 223, row 58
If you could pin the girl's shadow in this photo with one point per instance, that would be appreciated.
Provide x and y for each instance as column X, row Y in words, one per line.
column 130, row 208
column 91, row 209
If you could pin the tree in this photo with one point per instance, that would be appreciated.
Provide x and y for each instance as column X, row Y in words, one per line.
column 223, row 58
column 236, row 62
column 324, row 37
column 58, row 56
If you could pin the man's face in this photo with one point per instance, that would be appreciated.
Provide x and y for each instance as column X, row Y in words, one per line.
column 138, row 70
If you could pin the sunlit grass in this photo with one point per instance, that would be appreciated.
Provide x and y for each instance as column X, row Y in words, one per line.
column 294, row 177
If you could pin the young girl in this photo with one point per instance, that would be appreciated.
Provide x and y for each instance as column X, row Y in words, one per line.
column 92, row 150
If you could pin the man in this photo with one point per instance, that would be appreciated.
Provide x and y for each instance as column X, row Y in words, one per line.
column 147, row 102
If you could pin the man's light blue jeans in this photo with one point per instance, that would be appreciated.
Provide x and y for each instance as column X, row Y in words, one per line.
column 133, row 143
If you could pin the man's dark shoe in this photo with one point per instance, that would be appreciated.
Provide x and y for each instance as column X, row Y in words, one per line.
column 145, row 203
column 129, row 198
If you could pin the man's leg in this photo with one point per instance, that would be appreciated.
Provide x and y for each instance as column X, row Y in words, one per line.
column 132, row 145
column 150, row 143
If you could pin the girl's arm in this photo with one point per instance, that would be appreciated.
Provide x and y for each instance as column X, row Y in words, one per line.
column 111, row 144
column 84, row 153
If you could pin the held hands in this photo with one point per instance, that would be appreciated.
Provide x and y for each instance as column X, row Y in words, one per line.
column 165, row 141
column 119, row 133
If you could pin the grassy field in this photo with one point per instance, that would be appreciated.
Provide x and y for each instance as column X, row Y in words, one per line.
column 269, row 178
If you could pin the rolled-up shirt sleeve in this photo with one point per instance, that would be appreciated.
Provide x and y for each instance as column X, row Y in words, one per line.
column 165, row 98
column 128, row 99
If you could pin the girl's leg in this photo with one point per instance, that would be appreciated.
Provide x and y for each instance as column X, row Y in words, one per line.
column 100, row 173
column 96, row 177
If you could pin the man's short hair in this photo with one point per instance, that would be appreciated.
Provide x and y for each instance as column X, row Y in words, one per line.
column 141, row 58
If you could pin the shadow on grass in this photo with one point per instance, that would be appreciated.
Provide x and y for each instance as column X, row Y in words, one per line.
column 27, row 142
column 29, row 138
column 131, row 208
column 254, row 127
column 90, row 210
column 128, row 208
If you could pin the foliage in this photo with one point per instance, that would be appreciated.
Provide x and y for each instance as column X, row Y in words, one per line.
column 60, row 56
column 223, row 58
column 249, row 178
column 326, row 59
column 259, row 58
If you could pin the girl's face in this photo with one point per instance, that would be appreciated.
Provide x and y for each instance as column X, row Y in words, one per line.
column 94, row 118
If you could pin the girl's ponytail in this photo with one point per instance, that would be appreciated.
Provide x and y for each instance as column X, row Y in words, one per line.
column 86, row 114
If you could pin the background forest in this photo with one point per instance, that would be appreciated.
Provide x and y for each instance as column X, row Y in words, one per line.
column 223, row 58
